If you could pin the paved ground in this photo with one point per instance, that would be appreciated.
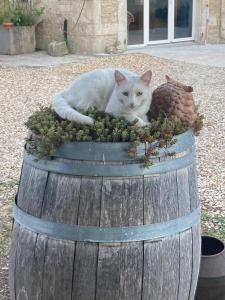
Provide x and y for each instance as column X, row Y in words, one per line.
column 40, row 59
column 208, row 55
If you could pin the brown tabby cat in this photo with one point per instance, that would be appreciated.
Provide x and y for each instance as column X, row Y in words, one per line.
column 173, row 99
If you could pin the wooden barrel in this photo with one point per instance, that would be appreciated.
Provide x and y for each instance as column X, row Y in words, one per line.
column 93, row 224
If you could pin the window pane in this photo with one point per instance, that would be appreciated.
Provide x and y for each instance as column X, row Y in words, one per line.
column 183, row 18
column 135, row 15
column 158, row 20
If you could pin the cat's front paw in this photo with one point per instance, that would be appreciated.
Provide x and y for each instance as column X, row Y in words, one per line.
column 88, row 120
column 141, row 123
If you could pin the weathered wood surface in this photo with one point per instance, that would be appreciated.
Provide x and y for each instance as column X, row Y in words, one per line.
column 44, row 268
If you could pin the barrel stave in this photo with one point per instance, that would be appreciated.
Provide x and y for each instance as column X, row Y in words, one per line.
column 86, row 254
column 30, row 258
column 85, row 271
column 196, row 256
column 61, row 199
column 122, row 202
column 153, row 270
column 121, row 205
column 119, row 271
column 186, row 261
column 31, row 189
column 193, row 186
column 58, row 270
column 12, row 259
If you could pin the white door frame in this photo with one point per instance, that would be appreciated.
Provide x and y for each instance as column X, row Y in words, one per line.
column 171, row 39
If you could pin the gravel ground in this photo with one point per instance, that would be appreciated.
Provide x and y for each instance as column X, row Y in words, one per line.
column 23, row 90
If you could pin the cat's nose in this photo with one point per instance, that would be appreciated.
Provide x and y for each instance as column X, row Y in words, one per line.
column 132, row 105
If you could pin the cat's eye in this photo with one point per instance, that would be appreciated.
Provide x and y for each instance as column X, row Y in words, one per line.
column 139, row 93
column 125, row 94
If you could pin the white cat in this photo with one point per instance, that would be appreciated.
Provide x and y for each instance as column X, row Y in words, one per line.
column 119, row 92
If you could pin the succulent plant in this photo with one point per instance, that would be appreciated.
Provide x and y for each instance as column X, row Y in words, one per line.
column 49, row 131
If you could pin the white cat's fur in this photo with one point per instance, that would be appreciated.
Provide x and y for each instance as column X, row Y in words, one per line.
column 119, row 92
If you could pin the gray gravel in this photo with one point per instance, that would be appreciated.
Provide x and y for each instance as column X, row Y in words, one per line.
column 23, row 90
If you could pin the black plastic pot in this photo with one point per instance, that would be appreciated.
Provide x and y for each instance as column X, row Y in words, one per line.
column 211, row 284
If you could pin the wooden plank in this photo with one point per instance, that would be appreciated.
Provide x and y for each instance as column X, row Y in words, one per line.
column 31, row 189
column 196, row 250
column 61, row 204
column 170, row 267
column 131, row 271
column 133, row 205
column 114, row 192
column 61, row 199
column 161, row 259
column 152, row 204
column 12, row 260
column 153, row 271
column 193, row 186
column 168, row 196
column 85, row 265
column 185, row 269
column 109, row 270
column 163, row 256
column 84, row 273
column 185, row 264
column 90, row 201
column 58, row 270
column 120, row 272
column 29, row 265
column 120, row 265
column 183, row 192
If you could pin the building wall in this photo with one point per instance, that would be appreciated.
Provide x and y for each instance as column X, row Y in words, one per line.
column 214, row 20
column 222, row 27
column 214, row 11
column 200, row 19
column 102, row 24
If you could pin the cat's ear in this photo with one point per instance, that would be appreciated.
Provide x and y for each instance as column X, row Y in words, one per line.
column 146, row 77
column 188, row 89
column 119, row 77
column 168, row 79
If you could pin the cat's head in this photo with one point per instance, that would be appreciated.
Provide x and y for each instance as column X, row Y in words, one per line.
column 186, row 88
column 133, row 92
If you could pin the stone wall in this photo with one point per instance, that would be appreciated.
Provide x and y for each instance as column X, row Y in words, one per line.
column 200, row 19
column 102, row 23
column 214, row 20
column 222, row 27
column 1, row 5
column 214, row 11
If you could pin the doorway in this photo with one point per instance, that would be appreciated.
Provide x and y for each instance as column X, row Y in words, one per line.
column 160, row 21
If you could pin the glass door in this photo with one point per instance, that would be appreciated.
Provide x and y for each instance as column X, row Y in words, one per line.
column 158, row 20
column 135, row 22
column 183, row 19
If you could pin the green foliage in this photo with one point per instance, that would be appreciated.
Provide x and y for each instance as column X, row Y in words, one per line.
column 213, row 225
column 21, row 14
column 49, row 131
column 25, row 17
